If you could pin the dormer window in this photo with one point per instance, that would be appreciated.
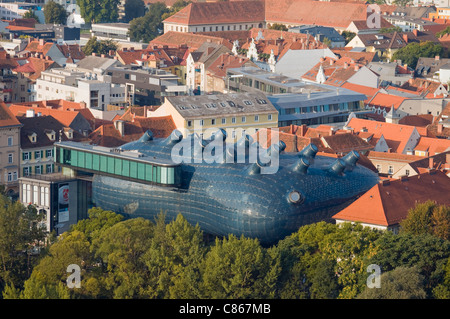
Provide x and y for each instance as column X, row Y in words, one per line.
column 32, row 137
column 51, row 135
column 69, row 133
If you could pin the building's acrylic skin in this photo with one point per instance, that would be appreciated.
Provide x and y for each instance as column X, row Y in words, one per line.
column 237, row 198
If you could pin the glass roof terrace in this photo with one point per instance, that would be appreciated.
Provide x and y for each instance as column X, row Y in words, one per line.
column 114, row 162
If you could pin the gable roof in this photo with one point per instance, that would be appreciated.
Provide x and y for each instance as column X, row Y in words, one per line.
column 198, row 13
column 432, row 145
column 108, row 135
column 396, row 135
column 40, row 125
column 192, row 40
column 329, row 14
column 7, row 118
column 388, row 204
column 38, row 46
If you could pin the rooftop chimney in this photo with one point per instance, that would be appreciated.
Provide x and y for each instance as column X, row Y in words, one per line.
column 430, row 163
column 405, row 37
column 437, row 57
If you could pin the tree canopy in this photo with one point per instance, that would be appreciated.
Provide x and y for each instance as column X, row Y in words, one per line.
column 149, row 26
column 99, row 46
column 134, row 9
column 99, row 11
column 55, row 13
column 411, row 53
column 167, row 259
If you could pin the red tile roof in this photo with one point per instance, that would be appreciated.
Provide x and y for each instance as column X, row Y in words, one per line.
column 388, row 205
column 219, row 67
column 329, row 14
column 108, row 135
column 37, row 46
column 337, row 71
column 199, row 13
column 432, row 146
column 396, row 135
column 7, row 118
column 191, row 40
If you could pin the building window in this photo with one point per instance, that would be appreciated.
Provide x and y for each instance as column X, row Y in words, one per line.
column 10, row 158
column 35, row 195
column 379, row 168
column 224, row 121
column 256, row 118
column 269, row 117
column 49, row 153
column 201, row 122
column 189, row 123
column 10, row 141
column 37, row 155
column 391, row 169
column 233, row 120
column 38, row 170
column 26, row 171
column 9, row 177
column 244, row 119
column 49, row 168
column 407, row 172
column 26, row 156
column 213, row 121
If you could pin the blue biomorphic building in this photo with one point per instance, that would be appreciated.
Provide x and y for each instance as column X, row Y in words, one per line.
column 230, row 194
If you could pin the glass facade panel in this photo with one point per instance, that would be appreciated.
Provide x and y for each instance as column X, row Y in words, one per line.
column 118, row 166
column 103, row 163
column 96, row 162
column 171, row 175
column 133, row 169
column 88, row 158
column 126, row 168
column 110, row 165
column 141, row 170
column 164, row 175
column 148, row 172
column 74, row 157
column 81, row 159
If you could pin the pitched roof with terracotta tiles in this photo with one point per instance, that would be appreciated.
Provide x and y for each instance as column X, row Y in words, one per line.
column 7, row 118
column 359, row 57
column 71, row 51
column 337, row 71
column 386, row 101
column 388, row 205
column 219, row 67
column 36, row 46
column 35, row 66
column 421, row 85
column 329, row 14
column 432, row 146
column 366, row 90
column 192, row 40
column 345, row 142
column 108, row 135
column 199, row 13
column 396, row 135
column 65, row 116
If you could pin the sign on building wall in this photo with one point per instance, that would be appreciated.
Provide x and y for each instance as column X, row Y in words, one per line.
column 63, row 203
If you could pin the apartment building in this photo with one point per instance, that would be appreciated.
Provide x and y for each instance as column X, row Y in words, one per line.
column 9, row 150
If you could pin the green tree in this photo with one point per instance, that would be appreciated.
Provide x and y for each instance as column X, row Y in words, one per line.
column 237, row 268
column 443, row 32
column 55, row 13
column 442, row 290
column 149, row 26
column 99, row 47
column 21, row 233
column 31, row 15
column 97, row 11
column 278, row 26
column 121, row 247
column 348, row 36
column 174, row 259
column 400, row 283
column 427, row 252
column 324, row 284
column 428, row 218
column 134, row 9
column 411, row 53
